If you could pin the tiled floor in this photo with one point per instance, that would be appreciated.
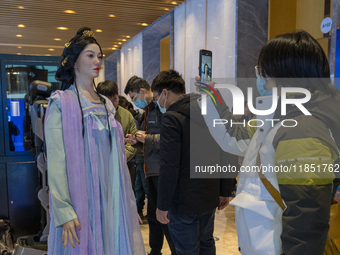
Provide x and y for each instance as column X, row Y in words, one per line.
column 225, row 230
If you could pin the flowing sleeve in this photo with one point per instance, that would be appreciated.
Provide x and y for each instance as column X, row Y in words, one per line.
column 57, row 176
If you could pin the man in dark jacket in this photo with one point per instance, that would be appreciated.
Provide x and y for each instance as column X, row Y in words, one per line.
column 187, row 204
column 140, row 93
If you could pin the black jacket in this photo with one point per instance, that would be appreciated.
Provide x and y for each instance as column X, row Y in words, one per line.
column 185, row 143
column 152, row 126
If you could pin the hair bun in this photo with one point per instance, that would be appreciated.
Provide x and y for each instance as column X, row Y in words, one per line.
column 81, row 30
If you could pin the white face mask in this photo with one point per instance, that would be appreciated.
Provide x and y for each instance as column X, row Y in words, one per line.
column 162, row 109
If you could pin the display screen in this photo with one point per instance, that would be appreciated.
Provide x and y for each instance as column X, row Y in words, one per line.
column 205, row 68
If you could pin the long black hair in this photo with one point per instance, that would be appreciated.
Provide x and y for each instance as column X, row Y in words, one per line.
column 295, row 55
column 66, row 74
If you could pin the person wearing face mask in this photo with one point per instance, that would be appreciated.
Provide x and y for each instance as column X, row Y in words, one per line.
column 141, row 95
column 285, row 210
column 187, row 204
column 261, row 82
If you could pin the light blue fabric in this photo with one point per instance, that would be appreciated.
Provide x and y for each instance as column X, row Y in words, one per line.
column 162, row 109
column 140, row 104
column 112, row 223
column 58, row 182
column 260, row 82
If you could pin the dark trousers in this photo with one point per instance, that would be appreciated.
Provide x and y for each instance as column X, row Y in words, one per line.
column 193, row 234
column 141, row 187
column 305, row 220
column 132, row 170
column 156, row 229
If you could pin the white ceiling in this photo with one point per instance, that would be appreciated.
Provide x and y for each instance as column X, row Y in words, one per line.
column 42, row 17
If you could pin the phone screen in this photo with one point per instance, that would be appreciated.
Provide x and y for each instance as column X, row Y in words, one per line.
column 205, row 65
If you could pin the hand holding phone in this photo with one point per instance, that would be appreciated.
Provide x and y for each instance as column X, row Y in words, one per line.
column 130, row 139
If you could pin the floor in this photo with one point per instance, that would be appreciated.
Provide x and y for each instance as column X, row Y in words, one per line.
column 225, row 230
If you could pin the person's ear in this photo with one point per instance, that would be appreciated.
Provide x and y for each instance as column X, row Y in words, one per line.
column 165, row 92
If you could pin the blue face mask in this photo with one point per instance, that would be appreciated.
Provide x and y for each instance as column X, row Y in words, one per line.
column 260, row 82
column 162, row 109
column 140, row 104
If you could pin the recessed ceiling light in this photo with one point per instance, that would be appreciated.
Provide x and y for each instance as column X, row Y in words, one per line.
column 119, row 43
column 21, row 7
column 112, row 16
column 21, row 25
column 99, row 31
column 19, row 47
column 57, row 39
column 62, row 28
column 47, row 54
column 69, row 11
column 144, row 24
column 127, row 36
column 103, row 55
column 173, row 3
column 19, row 35
column 19, row 53
column 124, row 40
column 51, row 49
column 115, row 46
column 166, row 9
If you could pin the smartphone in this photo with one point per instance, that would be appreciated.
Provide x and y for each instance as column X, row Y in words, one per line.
column 128, row 139
column 205, row 67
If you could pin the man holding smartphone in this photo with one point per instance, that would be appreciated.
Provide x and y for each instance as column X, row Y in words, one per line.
column 140, row 93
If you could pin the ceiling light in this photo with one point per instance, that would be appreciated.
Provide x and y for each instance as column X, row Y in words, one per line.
column 166, row 9
column 51, row 49
column 103, row 55
column 21, row 25
column 62, row 28
column 99, row 31
column 127, row 36
column 19, row 53
column 19, row 35
column 124, row 40
column 19, row 47
column 21, row 7
column 144, row 24
column 112, row 16
column 119, row 43
column 69, row 11
column 173, row 3
column 114, row 48
column 57, row 39
column 47, row 54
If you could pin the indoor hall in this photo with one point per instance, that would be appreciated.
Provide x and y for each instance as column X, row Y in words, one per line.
column 139, row 38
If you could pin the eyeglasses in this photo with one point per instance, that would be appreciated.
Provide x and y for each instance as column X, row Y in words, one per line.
column 134, row 99
column 154, row 98
column 257, row 73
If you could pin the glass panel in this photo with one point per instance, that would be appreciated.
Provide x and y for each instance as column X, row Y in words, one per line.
column 18, row 79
